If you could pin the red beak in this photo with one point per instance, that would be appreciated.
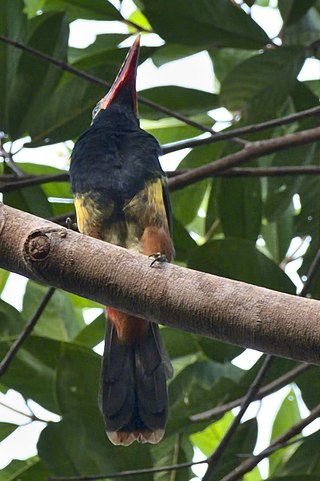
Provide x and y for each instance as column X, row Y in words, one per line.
column 126, row 77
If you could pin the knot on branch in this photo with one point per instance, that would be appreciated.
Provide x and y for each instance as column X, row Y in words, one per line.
column 37, row 246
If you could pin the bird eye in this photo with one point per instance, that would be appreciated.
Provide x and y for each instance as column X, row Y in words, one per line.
column 96, row 110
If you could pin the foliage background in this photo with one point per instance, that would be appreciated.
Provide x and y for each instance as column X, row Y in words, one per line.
column 240, row 228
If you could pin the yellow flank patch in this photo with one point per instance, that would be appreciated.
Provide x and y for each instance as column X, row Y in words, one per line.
column 89, row 217
column 147, row 207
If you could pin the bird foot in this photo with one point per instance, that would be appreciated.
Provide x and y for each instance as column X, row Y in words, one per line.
column 157, row 257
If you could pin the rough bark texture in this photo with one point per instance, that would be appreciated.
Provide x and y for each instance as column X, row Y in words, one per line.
column 232, row 311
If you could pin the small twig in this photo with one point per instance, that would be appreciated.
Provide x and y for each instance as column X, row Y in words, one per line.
column 263, row 392
column 122, row 474
column 31, row 416
column 248, row 129
column 216, row 456
column 25, row 333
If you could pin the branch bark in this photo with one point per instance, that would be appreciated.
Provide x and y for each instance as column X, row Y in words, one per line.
column 208, row 305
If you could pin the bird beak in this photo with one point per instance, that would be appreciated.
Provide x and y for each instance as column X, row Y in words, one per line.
column 126, row 77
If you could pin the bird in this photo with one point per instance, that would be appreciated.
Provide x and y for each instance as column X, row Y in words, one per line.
column 121, row 197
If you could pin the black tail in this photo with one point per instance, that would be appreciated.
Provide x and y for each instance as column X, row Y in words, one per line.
column 133, row 390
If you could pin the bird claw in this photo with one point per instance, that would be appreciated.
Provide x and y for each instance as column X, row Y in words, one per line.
column 71, row 225
column 157, row 257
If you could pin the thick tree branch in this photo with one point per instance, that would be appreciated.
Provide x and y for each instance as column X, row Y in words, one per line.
column 212, row 306
column 251, row 151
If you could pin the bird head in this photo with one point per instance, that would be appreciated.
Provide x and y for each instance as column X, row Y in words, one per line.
column 123, row 89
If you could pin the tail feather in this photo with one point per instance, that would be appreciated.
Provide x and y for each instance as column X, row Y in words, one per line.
column 133, row 392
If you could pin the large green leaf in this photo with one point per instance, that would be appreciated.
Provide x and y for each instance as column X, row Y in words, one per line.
column 278, row 234
column 309, row 384
column 29, row 470
column 208, row 439
column 93, row 10
column 239, row 259
column 217, row 23
column 33, row 366
column 288, row 415
column 259, row 86
column 59, row 320
column 78, row 445
column 34, row 78
column 3, row 278
column 239, row 207
column 184, row 100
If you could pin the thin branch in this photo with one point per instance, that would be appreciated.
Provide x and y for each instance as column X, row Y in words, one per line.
column 102, row 83
column 252, row 461
column 31, row 416
column 122, row 474
column 216, row 456
column 248, row 129
column 29, row 181
column 313, row 270
column 252, row 151
column 25, row 333
column 263, row 392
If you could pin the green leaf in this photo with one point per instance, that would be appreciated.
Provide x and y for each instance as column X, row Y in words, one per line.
column 293, row 10
column 12, row 322
column 207, row 24
column 309, row 384
column 59, row 320
column 183, row 100
column 198, row 387
column 280, row 190
column 172, row 450
column 102, row 44
column 78, row 445
column 305, row 460
column 183, row 242
column 35, row 79
column 239, row 259
column 208, row 439
column 170, row 52
column 34, row 365
column 288, row 415
column 3, row 279
column 305, row 31
column 240, row 207
column 6, row 429
column 259, row 86
column 93, row 10
column 92, row 334
column 29, row 470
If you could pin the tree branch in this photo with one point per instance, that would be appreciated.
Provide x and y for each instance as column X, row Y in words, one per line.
column 252, row 151
column 248, row 129
column 208, row 305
